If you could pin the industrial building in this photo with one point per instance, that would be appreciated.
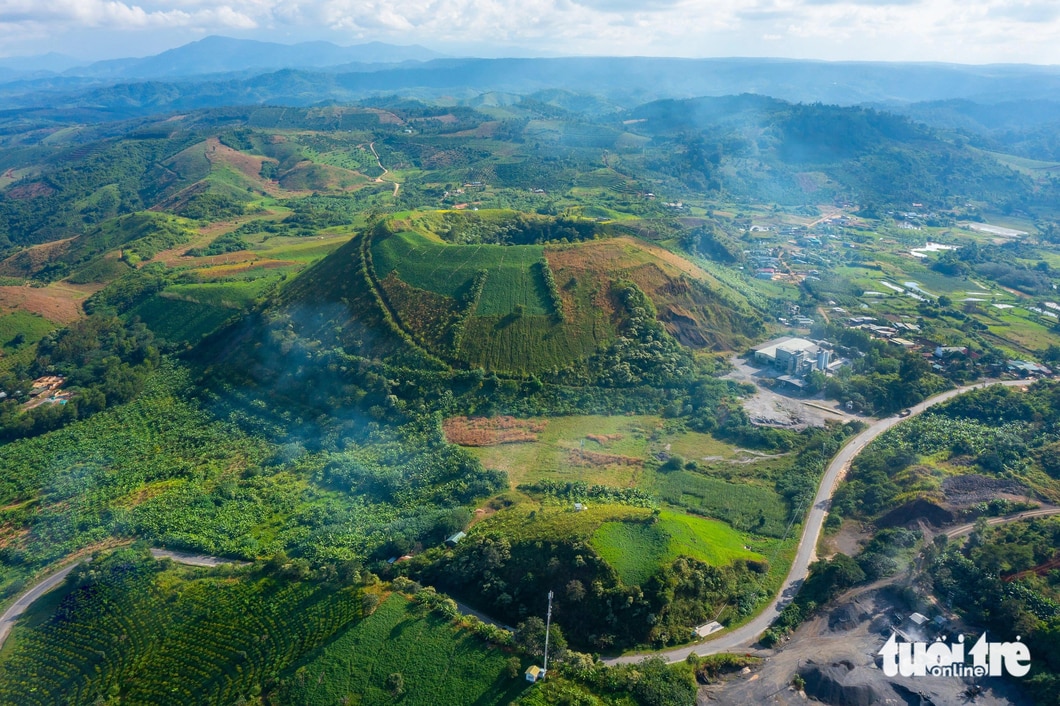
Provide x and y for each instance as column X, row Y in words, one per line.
column 794, row 356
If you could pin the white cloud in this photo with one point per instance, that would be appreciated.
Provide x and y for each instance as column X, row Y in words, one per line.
column 113, row 14
column 975, row 31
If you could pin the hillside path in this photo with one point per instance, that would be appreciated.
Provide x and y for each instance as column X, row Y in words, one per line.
column 806, row 552
column 379, row 179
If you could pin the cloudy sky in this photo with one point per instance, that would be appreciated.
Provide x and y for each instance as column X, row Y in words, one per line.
column 963, row 31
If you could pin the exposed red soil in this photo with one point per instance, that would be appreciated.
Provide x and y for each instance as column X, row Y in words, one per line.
column 491, row 431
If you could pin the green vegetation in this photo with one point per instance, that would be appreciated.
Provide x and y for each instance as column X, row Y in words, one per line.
column 102, row 362
column 20, row 329
column 638, row 550
column 999, row 579
column 998, row 436
column 179, row 321
column 447, row 270
column 745, row 507
column 132, row 629
column 276, row 347
column 437, row 662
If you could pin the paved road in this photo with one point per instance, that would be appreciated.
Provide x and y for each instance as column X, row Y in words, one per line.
column 12, row 614
column 806, row 553
column 192, row 559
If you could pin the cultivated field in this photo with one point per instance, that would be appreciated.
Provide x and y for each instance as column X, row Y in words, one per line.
column 438, row 663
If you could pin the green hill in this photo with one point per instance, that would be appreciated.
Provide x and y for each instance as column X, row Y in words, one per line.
column 102, row 252
column 510, row 308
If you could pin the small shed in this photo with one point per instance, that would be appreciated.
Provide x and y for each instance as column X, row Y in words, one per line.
column 578, row 507
column 918, row 618
column 453, row 540
column 534, row 672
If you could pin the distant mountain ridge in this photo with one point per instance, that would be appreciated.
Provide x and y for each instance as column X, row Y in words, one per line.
column 217, row 70
column 220, row 55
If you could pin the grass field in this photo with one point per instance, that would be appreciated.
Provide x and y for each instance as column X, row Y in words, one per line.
column 528, row 522
column 439, row 664
column 549, row 456
column 30, row 327
column 236, row 294
column 750, row 508
column 301, row 249
column 638, row 437
column 638, row 550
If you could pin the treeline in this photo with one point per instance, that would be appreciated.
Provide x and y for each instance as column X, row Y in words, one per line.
column 1001, row 264
column 644, row 352
column 507, row 576
column 520, row 228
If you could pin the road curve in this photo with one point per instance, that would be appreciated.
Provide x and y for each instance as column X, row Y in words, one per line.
column 806, row 553
column 12, row 614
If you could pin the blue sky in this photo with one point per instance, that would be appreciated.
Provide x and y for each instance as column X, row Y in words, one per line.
column 961, row 31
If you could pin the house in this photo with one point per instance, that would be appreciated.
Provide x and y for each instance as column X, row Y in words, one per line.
column 453, row 540
column 1025, row 368
column 948, row 351
column 533, row 673
column 578, row 507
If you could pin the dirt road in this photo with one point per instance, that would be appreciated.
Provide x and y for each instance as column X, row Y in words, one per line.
column 962, row 530
column 806, row 553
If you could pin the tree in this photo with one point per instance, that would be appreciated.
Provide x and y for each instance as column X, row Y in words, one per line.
column 395, row 684
column 513, row 667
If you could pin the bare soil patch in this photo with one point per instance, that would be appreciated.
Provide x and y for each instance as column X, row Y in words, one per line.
column 59, row 302
column 30, row 191
column 581, row 457
column 491, row 431
column 249, row 165
column 26, row 262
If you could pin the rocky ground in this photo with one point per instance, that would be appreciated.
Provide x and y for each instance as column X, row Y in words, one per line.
column 836, row 655
column 773, row 407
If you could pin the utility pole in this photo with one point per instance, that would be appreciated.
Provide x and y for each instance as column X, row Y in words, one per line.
column 548, row 624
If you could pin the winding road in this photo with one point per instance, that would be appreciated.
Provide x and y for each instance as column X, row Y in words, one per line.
column 742, row 636
column 806, row 553
column 379, row 179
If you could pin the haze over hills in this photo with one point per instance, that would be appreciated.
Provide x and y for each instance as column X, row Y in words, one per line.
column 250, row 71
column 211, row 55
